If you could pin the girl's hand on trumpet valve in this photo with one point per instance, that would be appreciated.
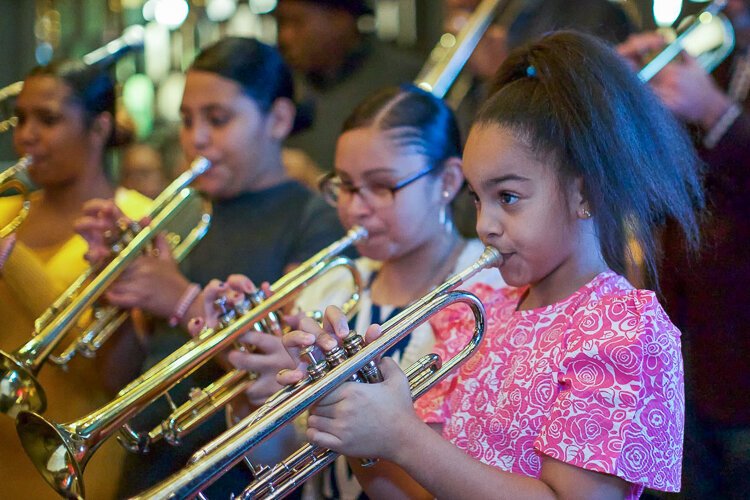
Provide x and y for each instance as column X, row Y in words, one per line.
column 356, row 419
column 366, row 420
column 309, row 332
column 100, row 226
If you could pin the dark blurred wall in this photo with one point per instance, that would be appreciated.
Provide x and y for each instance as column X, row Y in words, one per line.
column 16, row 53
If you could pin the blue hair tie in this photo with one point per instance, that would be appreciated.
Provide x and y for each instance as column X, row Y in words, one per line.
column 530, row 71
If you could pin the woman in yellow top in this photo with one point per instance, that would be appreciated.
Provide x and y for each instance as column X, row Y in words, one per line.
column 65, row 123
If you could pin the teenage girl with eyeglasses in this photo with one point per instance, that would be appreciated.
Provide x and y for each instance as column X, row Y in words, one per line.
column 577, row 389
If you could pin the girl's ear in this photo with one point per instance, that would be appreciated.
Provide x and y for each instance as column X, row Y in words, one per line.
column 281, row 118
column 452, row 179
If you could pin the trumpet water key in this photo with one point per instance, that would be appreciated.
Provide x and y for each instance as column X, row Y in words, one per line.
column 19, row 388
column 60, row 451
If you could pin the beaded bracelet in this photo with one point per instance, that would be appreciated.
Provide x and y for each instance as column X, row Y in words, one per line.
column 188, row 297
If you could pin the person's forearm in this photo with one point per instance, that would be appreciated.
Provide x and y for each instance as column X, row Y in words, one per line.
column 387, row 480
column 447, row 472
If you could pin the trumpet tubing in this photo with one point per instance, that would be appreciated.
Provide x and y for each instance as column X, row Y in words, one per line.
column 709, row 38
column 19, row 389
column 449, row 56
column 230, row 448
column 9, row 181
column 71, row 445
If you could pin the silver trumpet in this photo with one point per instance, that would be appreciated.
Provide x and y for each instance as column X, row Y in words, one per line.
column 325, row 374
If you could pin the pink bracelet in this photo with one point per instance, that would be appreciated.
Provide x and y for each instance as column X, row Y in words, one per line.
column 5, row 252
column 191, row 293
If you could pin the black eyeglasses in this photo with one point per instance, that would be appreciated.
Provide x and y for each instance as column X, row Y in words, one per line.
column 376, row 195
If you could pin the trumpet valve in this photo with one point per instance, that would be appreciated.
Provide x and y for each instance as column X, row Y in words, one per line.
column 353, row 343
column 317, row 366
column 226, row 314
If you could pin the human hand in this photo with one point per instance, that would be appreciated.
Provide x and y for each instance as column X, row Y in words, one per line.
column 683, row 85
column 690, row 93
column 639, row 47
column 152, row 282
column 365, row 420
column 101, row 225
column 309, row 332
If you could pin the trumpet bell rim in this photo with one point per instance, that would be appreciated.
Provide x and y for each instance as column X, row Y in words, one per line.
column 19, row 388
column 50, row 450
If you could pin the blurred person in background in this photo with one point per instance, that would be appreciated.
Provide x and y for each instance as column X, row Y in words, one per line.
column 335, row 65
column 707, row 296
column 142, row 170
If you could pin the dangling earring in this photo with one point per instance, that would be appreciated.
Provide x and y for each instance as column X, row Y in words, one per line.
column 444, row 216
column 585, row 214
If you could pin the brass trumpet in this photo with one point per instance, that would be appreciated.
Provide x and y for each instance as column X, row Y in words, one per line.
column 210, row 462
column 709, row 38
column 19, row 389
column 204, row 402
column 60, row 451
column 9, row 181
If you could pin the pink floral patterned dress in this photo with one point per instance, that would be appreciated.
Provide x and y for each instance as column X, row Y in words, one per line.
column 595, row 381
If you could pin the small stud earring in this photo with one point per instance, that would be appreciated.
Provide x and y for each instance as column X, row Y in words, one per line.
column 446, row 194
column 585, row 214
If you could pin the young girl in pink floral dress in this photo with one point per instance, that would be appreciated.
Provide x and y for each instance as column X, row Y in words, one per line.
column 577, row 389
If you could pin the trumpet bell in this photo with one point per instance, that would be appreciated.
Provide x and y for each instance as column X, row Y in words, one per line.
column 52, row 449
column 19, row 388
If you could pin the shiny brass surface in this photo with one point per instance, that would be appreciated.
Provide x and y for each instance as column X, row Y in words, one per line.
column 19, row 389
column 9, row 181
column 69, row 446
column 218, row 456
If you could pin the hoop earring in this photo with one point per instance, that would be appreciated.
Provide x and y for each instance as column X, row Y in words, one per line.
column 445, row 219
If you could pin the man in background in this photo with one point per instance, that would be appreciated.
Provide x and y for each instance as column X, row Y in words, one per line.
column 335, row 65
